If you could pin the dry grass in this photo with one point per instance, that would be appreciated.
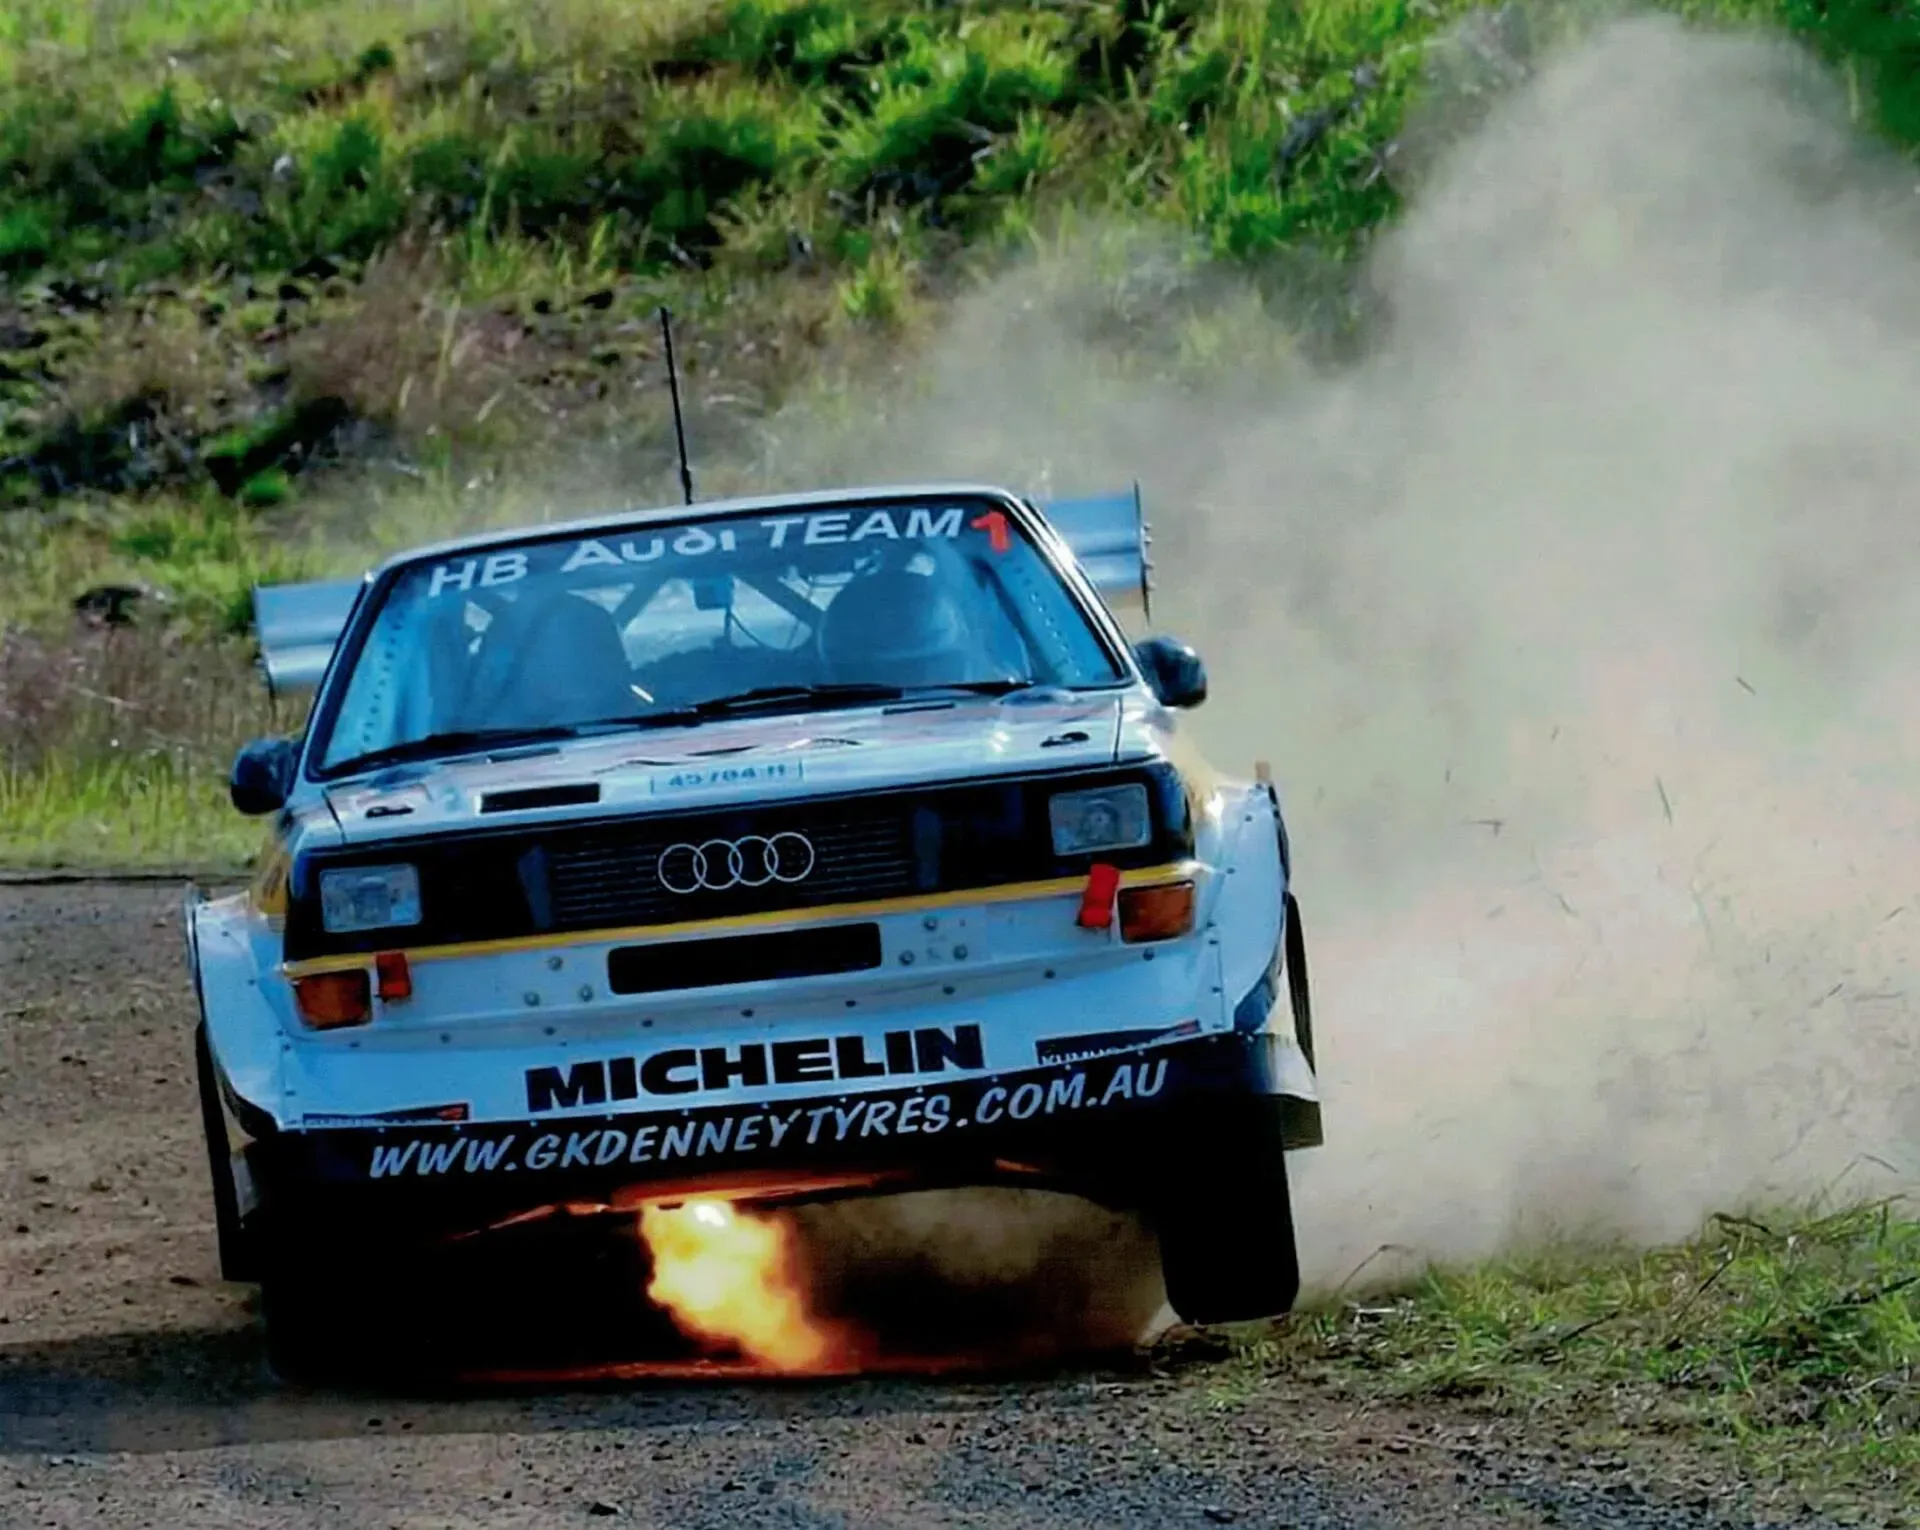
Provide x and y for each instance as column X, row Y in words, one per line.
column 114, row 743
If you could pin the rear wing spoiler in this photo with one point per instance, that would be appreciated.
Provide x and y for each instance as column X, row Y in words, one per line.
column 1108, row 534
column 297, row 625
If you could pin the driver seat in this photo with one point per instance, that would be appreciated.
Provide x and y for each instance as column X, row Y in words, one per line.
column 549, row 661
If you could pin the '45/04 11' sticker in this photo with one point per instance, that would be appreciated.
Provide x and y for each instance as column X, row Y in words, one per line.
column 815, row 529
column 766, row 773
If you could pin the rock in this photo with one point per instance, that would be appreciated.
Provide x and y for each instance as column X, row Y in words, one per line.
column 111, row 605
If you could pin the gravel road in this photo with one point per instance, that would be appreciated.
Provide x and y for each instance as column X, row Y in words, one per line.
column 132, row 1389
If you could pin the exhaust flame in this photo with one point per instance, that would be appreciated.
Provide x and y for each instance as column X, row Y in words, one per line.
column 729, row 1278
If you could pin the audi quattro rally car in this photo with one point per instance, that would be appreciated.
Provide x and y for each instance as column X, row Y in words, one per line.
column 763, row 849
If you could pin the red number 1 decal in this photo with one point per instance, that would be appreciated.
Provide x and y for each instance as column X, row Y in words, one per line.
column 994, row 523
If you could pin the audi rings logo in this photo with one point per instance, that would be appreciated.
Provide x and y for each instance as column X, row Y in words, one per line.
column 751, row 861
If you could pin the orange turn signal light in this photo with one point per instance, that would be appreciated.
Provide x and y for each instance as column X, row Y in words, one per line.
column 329, row 1000
column 1156, row 913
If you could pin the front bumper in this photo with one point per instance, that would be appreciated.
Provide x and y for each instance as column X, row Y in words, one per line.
column 1117, row 1129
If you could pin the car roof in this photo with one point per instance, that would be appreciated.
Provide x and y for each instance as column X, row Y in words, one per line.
column 701, row 509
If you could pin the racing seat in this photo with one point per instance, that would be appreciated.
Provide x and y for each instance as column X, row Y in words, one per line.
column 896, row 627
column 547, row 661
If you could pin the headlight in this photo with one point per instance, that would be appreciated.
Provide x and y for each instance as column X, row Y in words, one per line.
column 1109, row 818
column 369, row 898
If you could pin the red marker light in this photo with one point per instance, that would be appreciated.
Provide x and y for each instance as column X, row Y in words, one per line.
column 395, row 978
column 994, row 523
column 1096, row 903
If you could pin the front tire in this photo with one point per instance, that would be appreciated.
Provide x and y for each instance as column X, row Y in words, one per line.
column 1225, row 1216
column 306, row 1344
column 329, row 1321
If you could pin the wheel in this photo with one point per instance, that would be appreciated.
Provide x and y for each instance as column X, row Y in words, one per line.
column 236, row 1250
column 307, row 1345
column 1298, row 995
column 325, row 1323
column 1225, row 1218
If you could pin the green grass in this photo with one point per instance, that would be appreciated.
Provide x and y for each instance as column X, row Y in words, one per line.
column 117, row 743
column 112, row 814
column 287, row 283
column 1787, row 1347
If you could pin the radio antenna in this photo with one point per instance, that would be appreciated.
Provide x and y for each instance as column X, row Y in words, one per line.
column 679, row 422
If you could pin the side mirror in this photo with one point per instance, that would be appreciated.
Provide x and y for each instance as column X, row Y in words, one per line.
column 262, row 777
column 1174, row 671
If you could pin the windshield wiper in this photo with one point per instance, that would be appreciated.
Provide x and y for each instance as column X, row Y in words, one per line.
column 850, row 691
column 1004, row 687
column 471, row 740
column 783, row 695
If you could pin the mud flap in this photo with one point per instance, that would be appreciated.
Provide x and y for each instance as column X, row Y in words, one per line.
column 237, row 1253
column 1299, row 994
column 1224, row 1213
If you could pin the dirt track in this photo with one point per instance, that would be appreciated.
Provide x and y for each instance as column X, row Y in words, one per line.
column 132, row 1389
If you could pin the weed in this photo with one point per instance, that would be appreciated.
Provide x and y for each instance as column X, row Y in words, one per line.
column 1790, row 1341
column 114, row 741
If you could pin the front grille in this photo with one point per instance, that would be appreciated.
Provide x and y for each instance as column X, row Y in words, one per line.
column 548, row 879
column 614, row 878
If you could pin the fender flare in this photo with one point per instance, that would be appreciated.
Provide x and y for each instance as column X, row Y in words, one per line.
column 235, row 1247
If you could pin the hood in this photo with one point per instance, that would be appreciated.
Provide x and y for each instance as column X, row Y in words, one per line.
column 754, row 759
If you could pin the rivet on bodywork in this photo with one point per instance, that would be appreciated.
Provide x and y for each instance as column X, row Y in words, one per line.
column 554, row 963
column 930, row 923
column 906, row 958
column 586, row 992
column 531, row 997
column 959, row 953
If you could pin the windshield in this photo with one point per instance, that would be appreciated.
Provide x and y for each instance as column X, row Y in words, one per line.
column 682, row 619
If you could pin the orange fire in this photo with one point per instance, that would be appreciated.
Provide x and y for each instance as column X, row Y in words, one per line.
column 730, row 1278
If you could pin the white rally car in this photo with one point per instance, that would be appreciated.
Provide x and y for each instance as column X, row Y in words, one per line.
column 762, row 849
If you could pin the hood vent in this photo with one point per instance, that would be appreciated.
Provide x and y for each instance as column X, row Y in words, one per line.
column 521, row 799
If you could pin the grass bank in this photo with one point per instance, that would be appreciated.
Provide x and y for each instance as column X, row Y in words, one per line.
column 288, row 281
column 1785, row 1348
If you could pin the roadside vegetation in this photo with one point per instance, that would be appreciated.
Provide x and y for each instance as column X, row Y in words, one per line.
column 286, row 282
column 1783, row 1349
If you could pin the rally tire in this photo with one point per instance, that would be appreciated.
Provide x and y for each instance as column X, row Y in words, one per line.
column 1299, row 992
column 1225, row 1216
column 305, row 1346
column 235, row 1248
column 325, row 1321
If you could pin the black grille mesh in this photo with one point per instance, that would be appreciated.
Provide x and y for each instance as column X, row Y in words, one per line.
column 616, row 881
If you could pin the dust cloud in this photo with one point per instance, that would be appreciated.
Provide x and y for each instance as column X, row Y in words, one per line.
column 1000, row 1276
column 1576, row 617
